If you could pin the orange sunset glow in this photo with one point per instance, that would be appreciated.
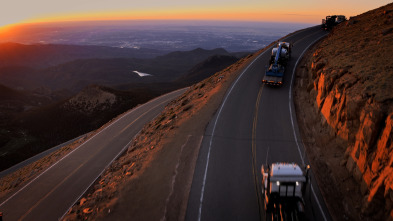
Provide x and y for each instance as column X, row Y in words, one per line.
column 208, row 14
column 284, row 11
column 196, row 110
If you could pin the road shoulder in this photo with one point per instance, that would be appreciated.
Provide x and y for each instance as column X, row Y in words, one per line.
column 324, row 149
column 155, row 173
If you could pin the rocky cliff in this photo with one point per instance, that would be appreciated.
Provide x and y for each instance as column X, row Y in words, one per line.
column 351, row 82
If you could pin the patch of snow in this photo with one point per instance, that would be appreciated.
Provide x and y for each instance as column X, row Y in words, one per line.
column 142, row 74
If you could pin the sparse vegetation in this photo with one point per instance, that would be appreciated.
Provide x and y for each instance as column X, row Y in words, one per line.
column 192, row 110
column 344, row 99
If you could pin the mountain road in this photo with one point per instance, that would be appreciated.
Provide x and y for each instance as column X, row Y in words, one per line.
column 255, row 125
column 50, row 195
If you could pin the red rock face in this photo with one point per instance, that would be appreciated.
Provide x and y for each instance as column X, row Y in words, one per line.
column 353, row 84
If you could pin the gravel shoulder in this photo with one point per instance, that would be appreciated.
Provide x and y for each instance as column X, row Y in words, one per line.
column 325, row 149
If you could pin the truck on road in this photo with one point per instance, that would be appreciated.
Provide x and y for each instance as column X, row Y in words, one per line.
column 274, row 73
column 283, row 189
column 332, row 20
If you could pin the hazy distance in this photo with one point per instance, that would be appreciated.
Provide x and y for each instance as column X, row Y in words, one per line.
column 161, row 35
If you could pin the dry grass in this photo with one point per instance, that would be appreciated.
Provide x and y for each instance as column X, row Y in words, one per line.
column 155, row 139
column 344, row 97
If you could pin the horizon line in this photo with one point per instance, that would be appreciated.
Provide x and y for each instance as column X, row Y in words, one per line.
column 150, row 20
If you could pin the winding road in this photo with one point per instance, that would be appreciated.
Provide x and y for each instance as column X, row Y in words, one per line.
column 51, row 194
column 255, row 125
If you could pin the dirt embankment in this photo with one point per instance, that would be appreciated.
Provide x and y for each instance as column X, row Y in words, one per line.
column 344, row 99
column 151, row 181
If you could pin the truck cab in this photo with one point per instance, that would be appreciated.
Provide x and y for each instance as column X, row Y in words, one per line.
column 283, row 187
column 331, row 21
column 340, row 18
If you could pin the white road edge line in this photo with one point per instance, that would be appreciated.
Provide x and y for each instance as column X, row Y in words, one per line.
column 215, row 123
column 293, row 126
column 39, row 156
column 136, row 108
column 121, row 151
column 124, row 148
column 214, row 128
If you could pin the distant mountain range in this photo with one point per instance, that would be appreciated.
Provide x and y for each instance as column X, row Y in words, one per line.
column 52, row 93
column 206, row 68
column 75, row 67
column 46, row 55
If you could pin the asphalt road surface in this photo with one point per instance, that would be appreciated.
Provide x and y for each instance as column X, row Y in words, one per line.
column 51, row 194
column 255, row 125
column 37, row 157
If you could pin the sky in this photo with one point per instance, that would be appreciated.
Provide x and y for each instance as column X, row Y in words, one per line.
column 297, row 11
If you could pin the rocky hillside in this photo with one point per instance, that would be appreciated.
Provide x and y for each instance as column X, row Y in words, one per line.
column 350, row 79
column 92, row 99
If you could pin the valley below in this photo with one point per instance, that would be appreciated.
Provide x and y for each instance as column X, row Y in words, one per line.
column 46, row 68
column 55, row 103
column 342, row 93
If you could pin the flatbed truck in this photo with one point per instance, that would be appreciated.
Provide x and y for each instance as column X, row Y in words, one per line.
column 274, row 73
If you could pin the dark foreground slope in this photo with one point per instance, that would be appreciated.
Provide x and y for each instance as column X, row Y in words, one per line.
column 26, row 133
column 344, row 96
